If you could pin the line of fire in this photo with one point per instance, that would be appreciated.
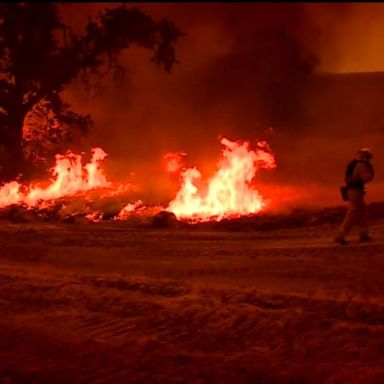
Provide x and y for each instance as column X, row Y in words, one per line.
column 191, row 193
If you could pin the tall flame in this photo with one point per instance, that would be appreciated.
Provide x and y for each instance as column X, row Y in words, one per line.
column 229, row 192
column 69, row 178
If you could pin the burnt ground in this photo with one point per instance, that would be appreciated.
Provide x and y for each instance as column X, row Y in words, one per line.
column 115, row 303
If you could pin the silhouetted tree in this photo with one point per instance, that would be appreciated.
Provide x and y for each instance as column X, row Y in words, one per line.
column 40, row 56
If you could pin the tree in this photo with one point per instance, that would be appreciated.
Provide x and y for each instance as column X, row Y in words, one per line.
column 40, row 56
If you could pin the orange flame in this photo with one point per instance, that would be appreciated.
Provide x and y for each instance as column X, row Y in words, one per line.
column 228, row 193
column 69, row 178
column 129, row 209
column 138, row 209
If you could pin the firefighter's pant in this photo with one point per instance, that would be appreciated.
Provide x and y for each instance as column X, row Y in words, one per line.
column 356, row 213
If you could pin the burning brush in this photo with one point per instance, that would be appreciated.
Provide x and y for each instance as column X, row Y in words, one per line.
column 228, row 193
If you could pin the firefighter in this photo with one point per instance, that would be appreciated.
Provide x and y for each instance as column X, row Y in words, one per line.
column 359, row 172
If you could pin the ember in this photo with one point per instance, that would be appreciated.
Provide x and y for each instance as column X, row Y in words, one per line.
column 174, row 161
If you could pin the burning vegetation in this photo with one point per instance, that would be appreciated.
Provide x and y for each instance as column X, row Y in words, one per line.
column 228, row 193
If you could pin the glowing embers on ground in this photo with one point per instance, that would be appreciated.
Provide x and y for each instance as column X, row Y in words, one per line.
column 229, row 192
column 70, row 177
column 138, row 209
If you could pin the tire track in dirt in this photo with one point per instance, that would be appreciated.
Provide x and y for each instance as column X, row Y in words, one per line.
column 199, row 323
column 104, row 329
column 118, row 327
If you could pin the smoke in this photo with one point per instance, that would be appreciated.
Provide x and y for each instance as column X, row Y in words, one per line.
column 351, row 36
column 244, row 69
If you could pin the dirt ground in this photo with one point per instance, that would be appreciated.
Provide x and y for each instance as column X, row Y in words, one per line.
column 114, row 303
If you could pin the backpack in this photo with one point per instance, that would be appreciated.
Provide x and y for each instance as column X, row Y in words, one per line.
column 349, row 172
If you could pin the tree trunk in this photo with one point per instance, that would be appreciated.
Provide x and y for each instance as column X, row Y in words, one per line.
column 14, row 163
